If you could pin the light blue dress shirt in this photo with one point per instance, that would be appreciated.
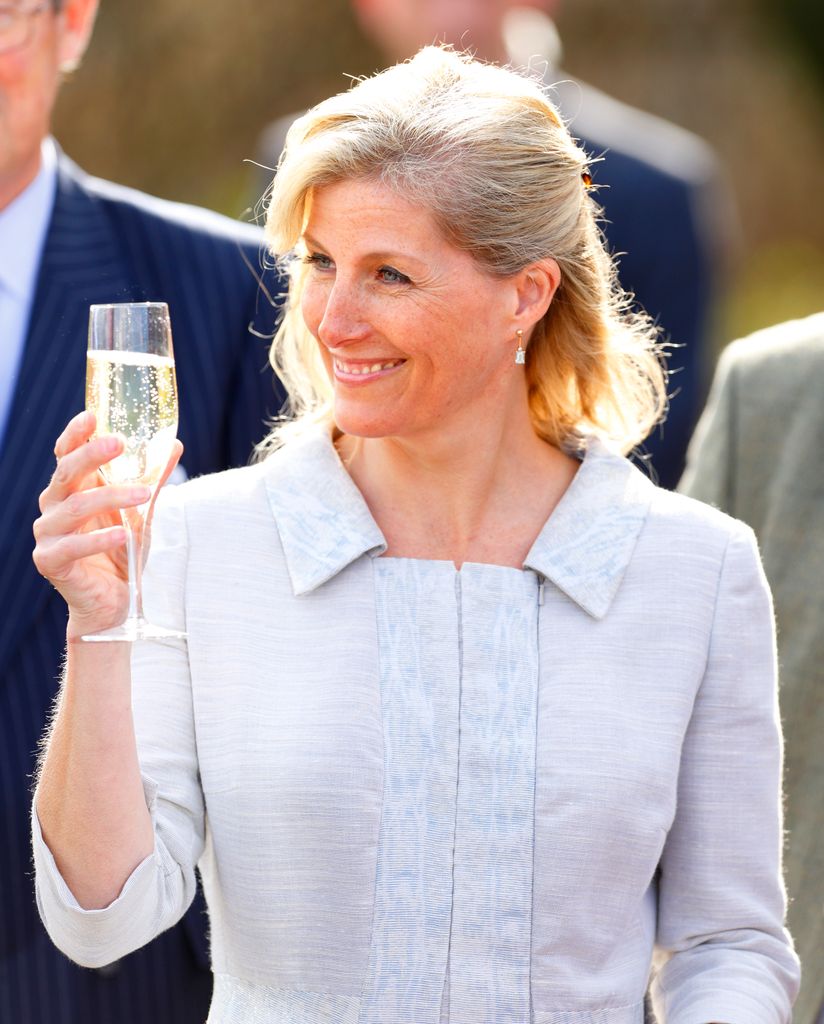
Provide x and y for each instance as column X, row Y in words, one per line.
column 23, row 226
column 421, row 795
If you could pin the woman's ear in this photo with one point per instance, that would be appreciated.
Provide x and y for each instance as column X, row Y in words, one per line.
column 535, row 289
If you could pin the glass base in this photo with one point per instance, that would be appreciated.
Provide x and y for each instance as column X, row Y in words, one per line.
column 131, row 630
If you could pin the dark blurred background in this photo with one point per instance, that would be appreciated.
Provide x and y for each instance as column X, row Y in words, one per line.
column 173, row 94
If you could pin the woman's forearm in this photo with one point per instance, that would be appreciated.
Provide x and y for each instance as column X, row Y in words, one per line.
column 90, row 800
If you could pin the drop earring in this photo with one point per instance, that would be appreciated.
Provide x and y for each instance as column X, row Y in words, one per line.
column 520, row 354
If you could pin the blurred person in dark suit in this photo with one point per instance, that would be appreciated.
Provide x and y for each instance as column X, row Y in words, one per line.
column 68, row 240
column 667, row 211
column 757, row 454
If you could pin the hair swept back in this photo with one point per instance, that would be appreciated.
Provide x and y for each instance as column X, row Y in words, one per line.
column 484, row 150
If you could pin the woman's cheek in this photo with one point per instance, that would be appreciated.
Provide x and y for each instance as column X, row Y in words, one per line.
column 312, row 305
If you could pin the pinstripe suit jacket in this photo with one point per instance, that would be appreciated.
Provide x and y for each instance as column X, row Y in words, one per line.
column 757, row 454
column 106, row 243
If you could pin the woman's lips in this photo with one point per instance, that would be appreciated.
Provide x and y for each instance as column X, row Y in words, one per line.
column 361, row 371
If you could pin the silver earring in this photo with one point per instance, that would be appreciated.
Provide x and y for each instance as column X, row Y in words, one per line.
column 520, row 354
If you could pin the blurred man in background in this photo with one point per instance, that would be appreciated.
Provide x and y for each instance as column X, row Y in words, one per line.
column 758, row 454
column 67, row 240
column 667, row 212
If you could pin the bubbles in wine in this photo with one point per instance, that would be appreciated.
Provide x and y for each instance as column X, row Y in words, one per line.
column 135, row 395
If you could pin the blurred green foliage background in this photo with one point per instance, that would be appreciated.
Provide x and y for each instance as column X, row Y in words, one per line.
column 174, row 93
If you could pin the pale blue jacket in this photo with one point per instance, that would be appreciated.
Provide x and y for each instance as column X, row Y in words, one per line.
column 418, row 795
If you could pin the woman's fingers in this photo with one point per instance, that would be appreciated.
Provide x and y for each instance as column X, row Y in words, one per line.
column 55, row 559
column 80, row 517
column 174, row 458
column 72, row 514
column 77, row 431
column 80, row 541
column 77, row 464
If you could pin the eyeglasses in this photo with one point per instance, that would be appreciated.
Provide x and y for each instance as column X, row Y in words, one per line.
column 16, row 24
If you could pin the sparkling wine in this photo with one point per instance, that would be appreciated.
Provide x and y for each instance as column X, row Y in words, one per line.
column 135, row 395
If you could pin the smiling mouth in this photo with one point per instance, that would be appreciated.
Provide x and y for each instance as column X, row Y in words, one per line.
column 363, row 369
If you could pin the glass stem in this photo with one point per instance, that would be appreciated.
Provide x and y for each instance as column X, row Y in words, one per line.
column 135, row 523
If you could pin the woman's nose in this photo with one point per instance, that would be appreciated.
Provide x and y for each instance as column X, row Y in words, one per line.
column 342, row 318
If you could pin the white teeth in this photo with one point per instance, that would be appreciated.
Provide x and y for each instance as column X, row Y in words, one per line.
column 374, row 368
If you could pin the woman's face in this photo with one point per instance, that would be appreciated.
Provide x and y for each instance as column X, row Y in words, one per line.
column 414, row 335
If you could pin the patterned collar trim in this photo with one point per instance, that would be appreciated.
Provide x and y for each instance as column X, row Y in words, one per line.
column 323, row 521
column 584, row 548
column 588, row 541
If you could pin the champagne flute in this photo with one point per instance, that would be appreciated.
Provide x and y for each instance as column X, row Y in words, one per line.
column 131, row 389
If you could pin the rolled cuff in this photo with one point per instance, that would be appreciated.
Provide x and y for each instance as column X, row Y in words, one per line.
column 94, row 938
column 731, row 1007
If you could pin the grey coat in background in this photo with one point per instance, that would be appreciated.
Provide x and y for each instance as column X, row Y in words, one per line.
column 758, row 453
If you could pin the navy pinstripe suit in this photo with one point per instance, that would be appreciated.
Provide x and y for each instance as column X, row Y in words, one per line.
column 104, row 244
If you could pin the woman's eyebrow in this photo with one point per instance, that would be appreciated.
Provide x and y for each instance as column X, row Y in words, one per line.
column 377, row 254
column 306, row 237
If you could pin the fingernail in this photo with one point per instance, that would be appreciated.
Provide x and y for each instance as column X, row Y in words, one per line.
column 109, row 444
column 141, row 494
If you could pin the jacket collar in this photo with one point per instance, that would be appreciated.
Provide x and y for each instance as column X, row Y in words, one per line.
column 588, row 541
column 323, row 521
column 584, row 548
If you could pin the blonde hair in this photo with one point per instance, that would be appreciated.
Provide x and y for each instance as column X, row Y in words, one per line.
column 484, row 150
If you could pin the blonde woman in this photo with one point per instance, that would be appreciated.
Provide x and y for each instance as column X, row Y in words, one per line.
column 471, row 715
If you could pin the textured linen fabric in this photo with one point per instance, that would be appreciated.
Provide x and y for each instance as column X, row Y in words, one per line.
column 431, row 795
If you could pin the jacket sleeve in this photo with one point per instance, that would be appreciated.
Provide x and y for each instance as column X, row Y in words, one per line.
column 709, row 474
column 721, row 900
column 159, row 890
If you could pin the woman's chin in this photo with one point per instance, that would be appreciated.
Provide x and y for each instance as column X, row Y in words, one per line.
column 357, row 420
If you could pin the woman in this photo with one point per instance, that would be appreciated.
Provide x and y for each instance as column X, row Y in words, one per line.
column 471, row 714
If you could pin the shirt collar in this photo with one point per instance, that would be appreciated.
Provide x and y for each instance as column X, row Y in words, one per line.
column 584, row 548
column 23, row 226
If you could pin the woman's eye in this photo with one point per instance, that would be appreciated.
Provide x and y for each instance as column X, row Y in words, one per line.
column 317, row 259
column 391, row 276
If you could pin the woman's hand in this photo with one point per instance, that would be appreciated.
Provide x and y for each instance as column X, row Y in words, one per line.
column 80, row 539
